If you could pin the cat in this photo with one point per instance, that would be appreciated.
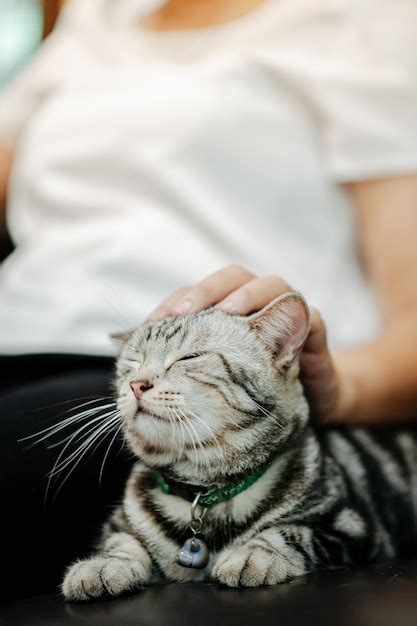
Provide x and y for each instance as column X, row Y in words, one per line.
column 212, row 404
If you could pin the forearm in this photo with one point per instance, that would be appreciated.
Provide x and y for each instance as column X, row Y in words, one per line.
column 379, row 380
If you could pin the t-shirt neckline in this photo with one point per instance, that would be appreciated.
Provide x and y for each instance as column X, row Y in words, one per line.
column 188, row 34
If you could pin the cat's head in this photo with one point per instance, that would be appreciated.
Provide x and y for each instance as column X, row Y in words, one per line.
column 210, row 395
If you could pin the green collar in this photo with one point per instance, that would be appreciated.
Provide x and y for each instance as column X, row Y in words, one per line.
column 211, row 496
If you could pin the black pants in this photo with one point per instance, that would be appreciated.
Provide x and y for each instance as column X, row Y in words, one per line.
column 40, row 537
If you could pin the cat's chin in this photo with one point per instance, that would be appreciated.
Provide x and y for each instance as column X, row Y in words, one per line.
column 154, row 446
column 196, row 470
column 145, row 413
column 152, row 456
column 154, row 443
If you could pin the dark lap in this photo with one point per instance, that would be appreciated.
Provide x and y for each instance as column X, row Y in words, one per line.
column 41, row 536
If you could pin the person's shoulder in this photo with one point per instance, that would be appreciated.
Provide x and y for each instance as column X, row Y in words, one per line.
column 381, row 31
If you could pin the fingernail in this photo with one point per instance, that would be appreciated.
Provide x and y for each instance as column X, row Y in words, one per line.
column 227, row 305
column 184, row 306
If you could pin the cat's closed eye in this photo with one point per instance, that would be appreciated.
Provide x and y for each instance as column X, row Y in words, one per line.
column 186, row 357
column 191, row 356
column 131, row 365
column 134, row 364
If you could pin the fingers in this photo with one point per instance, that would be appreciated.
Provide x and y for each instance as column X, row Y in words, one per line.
column 318, row 375
column 316, row 342
column 233, row 289
column 213, row 289
column 254, row 295
column 209, row 291
column 315, row 359
column 167, row 306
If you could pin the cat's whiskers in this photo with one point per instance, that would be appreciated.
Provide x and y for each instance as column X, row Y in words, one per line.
column 107, row 428
column 182, row 432
column 55, row 428
column 207, row 427
column 92, row 434
column 172, row 426
column 180, row 424
column 92, row 421
column 191, row 432
column 190, row 429
column 108, row 451
column 267, row 413
column 101, row 434
column 66, row 439
column 192, row 426
column 90, row 399
column 60, row 465
column 234, row 423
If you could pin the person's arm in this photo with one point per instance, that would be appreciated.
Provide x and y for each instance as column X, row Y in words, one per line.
column 383, row 374
column 375, row 383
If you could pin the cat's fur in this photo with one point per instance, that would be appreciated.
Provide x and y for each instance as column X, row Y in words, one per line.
column 329, row 497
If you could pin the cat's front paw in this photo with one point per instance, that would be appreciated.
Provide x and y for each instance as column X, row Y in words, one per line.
column 101, row 577
column 253, row 566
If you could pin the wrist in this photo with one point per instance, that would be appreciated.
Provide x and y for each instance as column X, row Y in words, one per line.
column 347, row 405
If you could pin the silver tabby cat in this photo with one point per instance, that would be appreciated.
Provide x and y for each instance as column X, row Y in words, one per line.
column 209, row 399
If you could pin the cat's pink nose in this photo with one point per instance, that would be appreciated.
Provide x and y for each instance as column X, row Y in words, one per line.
column 139, row 387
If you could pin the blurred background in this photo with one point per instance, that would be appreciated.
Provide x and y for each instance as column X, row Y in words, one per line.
column 23, row 24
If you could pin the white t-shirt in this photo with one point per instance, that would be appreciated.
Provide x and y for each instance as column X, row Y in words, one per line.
column 145, row 161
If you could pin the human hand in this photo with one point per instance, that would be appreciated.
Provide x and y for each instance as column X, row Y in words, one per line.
column 237, row 290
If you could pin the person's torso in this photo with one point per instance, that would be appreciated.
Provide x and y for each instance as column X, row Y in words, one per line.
column 148, row 170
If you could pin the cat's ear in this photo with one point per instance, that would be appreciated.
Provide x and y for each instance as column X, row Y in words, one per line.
column 119, row 339
column 283, row 325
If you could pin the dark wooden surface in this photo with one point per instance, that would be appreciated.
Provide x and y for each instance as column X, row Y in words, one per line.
column 381, row 595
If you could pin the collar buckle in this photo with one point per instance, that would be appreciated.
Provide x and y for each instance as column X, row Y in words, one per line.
column 197, row 520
